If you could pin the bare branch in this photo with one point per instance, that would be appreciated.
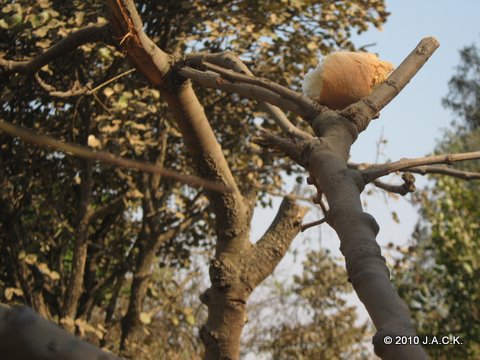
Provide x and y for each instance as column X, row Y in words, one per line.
column 370, row 173
column 76, row 90
column 308, row 105
column 294, row 148
column 229, row 60
column 83, row 152
column 312, row 224
column 213, row 80
column 364, row 110
column 445, row 170
column 91, row 33
column 403, row 189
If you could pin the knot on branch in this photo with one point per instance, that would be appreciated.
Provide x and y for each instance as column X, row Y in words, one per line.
column 173, row 81
column 296, row 149
column 409, row 182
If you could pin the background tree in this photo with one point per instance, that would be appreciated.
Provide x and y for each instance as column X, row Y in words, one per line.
column 81, row 239
column 438, row 276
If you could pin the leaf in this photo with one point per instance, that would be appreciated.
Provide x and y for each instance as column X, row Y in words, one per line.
column 41, row 31
column 30, row 259
column 108, row 91
column 145, row 318
column 10, row 291
column 93, row 141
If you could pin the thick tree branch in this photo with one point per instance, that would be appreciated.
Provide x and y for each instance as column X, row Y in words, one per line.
column 25, row 335
column 156, row 65
column 233, row 213
column 91, row 33
column 271, row 248
column 142, row 52
column 364, row 110
column 370, row 173
column 85, row 153
column 326, row 160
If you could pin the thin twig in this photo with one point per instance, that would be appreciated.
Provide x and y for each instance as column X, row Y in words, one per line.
column 83, row 152
column 445, row 170
column 312, row 224
column 281, row 194
column 98, row 87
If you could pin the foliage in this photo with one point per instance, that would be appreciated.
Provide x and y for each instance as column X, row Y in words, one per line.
column 464, row 95
column 312, row 320
column 438, row 276
column 54, row 208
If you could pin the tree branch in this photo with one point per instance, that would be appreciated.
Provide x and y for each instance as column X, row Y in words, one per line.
column 228, row 60
column 213, row 80
column 25, row 335
column 370, row 173
column 76, row 89
column 271, row 248
column 83, row 152
column 309, row 107
column 91, row 33
column 364, row 110
column 445, row 170
column 403, row 189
